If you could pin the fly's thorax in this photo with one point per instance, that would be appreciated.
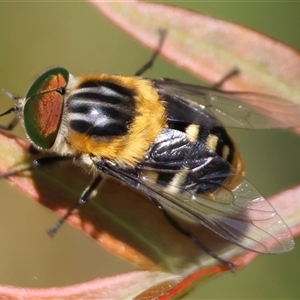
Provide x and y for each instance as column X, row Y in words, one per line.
column 111, row 117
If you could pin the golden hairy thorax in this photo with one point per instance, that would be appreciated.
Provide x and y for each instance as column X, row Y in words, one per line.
column 149, row 119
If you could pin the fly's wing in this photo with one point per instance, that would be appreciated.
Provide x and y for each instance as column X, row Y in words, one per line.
column 198, row 184
column 207, row 190
column 235, row 210
column 232, row 109
column 241, row 215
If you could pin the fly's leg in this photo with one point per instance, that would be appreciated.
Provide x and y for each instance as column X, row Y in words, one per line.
column 85, row 196
column 149, row 63
column 40, row 162
column 11, row 125
column 35, row 164
column 14, row 109
column 232, row 73
column 185, row 232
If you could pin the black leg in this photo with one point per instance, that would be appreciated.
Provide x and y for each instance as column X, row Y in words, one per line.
column 14, row 109
column 185, row 232
column 11, row 125
column 33, row 150
column 37, row 163
column 228, row 76
column 148, row 64
column 85, row 196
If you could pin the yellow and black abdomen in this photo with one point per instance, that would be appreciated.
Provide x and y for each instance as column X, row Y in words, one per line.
column 194, row 154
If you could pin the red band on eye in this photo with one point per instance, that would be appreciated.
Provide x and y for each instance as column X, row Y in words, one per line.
column 44, row 106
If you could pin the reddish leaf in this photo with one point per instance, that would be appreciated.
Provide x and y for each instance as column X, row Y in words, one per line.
column 210, row 47
column 127, row 286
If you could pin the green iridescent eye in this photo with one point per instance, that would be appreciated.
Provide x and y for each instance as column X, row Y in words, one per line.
column 44, row 107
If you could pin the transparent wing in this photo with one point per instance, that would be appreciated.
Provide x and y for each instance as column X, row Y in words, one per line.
column 238, row 212
column 233, row 109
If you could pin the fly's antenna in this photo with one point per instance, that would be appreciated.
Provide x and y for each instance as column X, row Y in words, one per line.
column 10, row 95
column 13, row 97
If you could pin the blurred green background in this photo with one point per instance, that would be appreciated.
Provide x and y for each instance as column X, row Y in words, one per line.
column 35, row 36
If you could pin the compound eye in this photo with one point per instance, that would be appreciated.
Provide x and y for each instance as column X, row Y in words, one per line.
column 44, row 107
